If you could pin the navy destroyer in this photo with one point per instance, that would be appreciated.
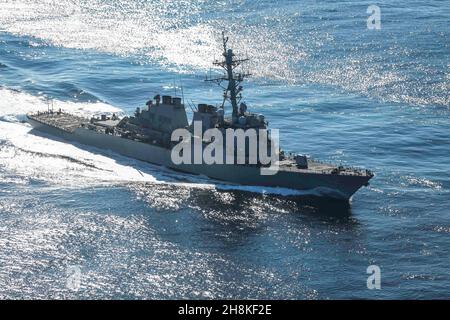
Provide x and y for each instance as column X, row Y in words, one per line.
column 148, row 136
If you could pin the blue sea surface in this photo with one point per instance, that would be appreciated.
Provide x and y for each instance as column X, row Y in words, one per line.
column 336, row 90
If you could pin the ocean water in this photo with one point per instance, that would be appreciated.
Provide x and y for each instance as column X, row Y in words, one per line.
column 337, row 91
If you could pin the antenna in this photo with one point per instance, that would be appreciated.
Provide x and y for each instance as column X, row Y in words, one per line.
column 182, row 91
column 225, row 40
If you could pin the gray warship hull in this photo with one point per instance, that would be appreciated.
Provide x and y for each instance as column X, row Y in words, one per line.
column 319, row 179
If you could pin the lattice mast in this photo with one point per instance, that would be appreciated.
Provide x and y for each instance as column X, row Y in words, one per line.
column 231, row 92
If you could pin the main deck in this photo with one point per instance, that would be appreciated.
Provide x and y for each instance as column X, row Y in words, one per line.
column 69, row 122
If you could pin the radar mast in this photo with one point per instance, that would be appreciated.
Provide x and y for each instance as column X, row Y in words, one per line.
column 232, row 91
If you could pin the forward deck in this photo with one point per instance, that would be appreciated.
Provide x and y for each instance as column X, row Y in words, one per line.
column 64, row 121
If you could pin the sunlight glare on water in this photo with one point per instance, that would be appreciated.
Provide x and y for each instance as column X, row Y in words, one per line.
column 336, row 90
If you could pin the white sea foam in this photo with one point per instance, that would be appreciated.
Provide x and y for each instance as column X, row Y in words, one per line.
column 34, row 156
column 266, row 190
column 14, row 105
